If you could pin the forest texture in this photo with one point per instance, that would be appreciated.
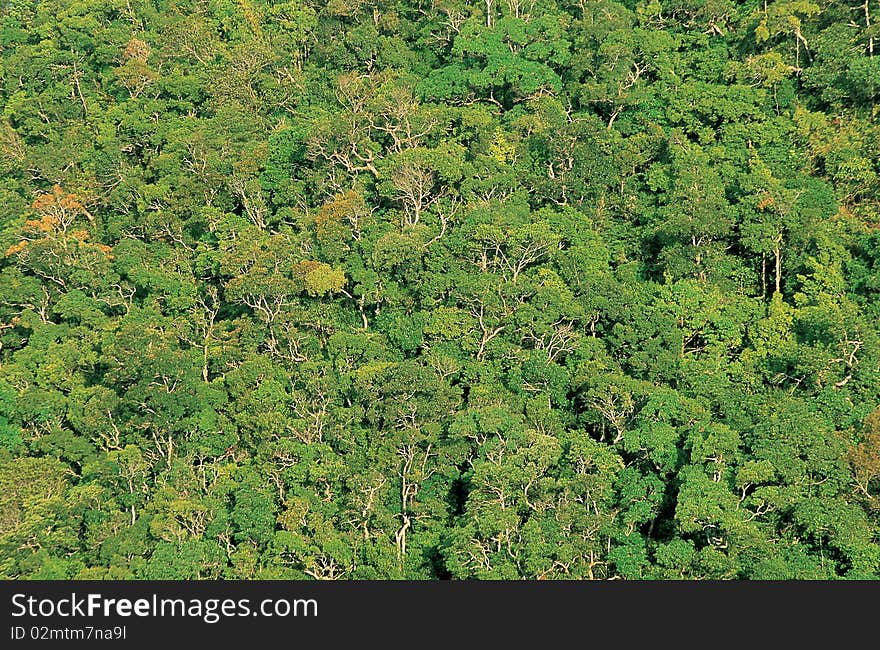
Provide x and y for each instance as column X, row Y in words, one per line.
column 439, row 289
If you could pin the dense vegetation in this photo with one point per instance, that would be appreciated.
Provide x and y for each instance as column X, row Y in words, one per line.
column 431, row 289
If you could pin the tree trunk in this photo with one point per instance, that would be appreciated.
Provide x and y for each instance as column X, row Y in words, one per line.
column 777, row 251
column 763, row 275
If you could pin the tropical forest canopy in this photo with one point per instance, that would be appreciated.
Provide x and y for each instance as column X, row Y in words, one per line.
column 439, row 289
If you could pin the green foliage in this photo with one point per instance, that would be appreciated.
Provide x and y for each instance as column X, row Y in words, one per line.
column 439, row 290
